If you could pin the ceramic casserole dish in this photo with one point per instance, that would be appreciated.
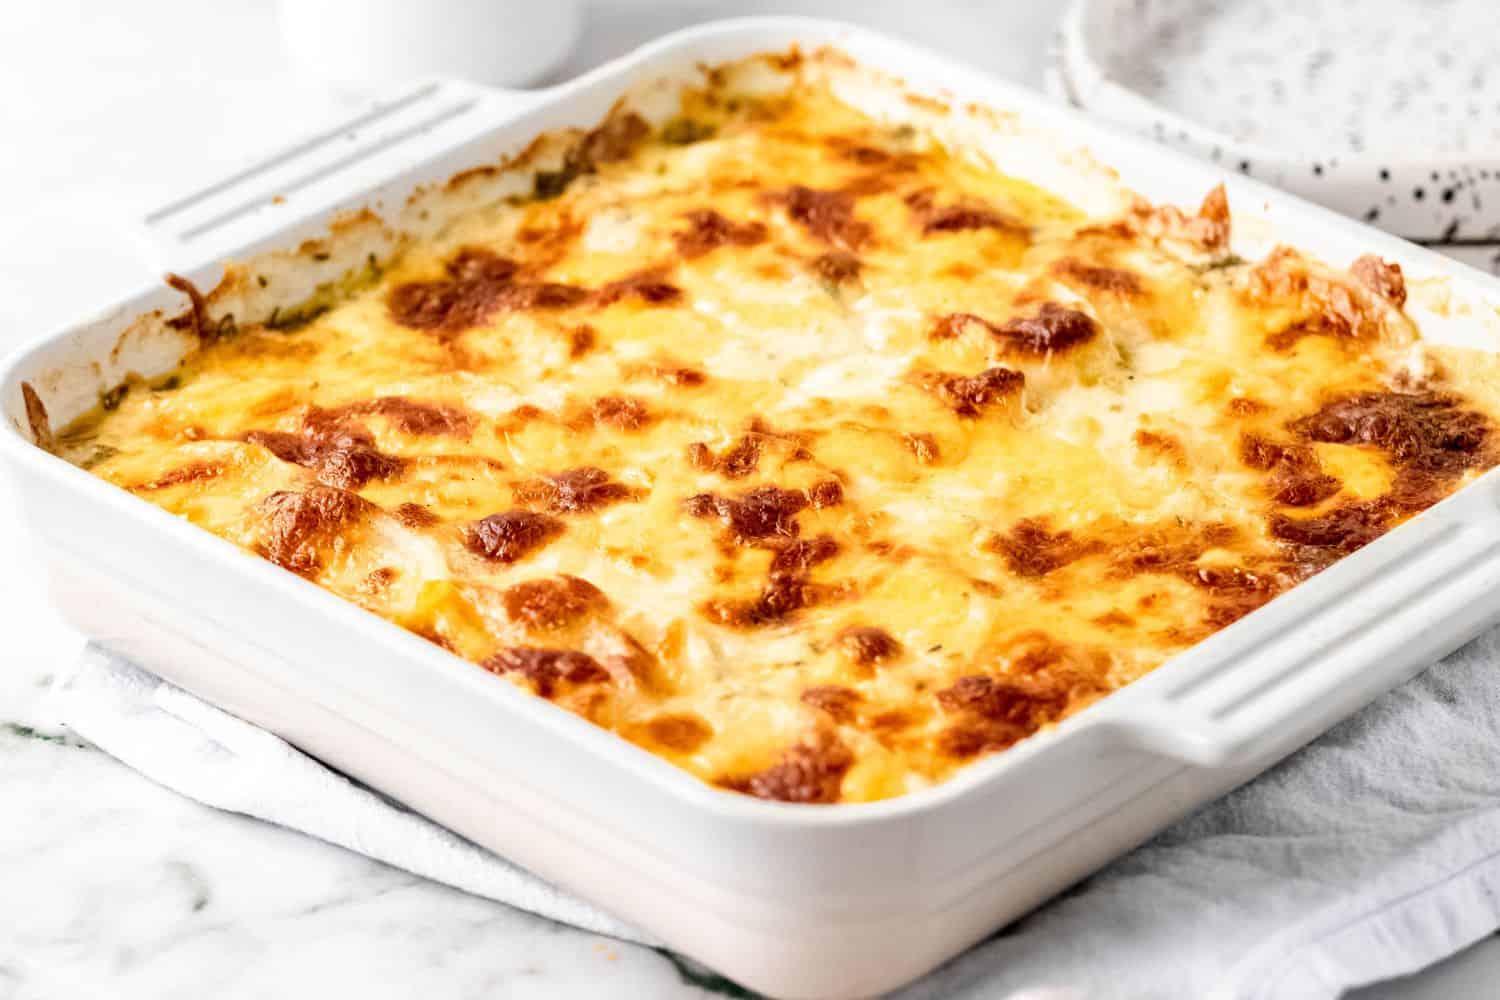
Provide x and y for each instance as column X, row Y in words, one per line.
column 796, row 901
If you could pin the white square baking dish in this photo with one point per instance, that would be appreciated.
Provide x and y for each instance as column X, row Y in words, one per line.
column 796, row 901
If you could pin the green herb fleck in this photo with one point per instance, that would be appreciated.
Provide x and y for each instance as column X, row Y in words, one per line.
column 111, row 399
column 28, row 733
column 682, row 131
column 96, row 454
column 693, row 974
column 295, row 319
column 1219, row 263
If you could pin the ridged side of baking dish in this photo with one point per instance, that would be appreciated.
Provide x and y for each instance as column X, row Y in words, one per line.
column 838, row 901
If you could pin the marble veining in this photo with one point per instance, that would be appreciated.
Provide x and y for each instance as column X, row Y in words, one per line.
column 113, row 880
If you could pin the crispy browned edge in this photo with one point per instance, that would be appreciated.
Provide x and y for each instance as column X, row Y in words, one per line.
column 36, row 417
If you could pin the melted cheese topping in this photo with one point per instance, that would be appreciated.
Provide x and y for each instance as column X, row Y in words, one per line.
column 805, row 452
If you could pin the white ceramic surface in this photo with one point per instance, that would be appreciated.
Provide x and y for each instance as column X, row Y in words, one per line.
column 779, row 897
column 1385, row 110
column 364, row 45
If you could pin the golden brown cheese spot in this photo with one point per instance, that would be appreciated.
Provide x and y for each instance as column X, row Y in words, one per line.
column 479, row 283
column 735, row 462
column 868, row 646
column 1235, row 591
column 679, row 733
column 837, row 701
column 995, row 713
column 955, row 325
column 680, row 376
column 1208, row 229
column 553, row 602
column 786, row 590
column 192, row 472
column 796, row 558
column 826, row 493
column 547, row 669
column 1321, row 539
column 296, row 527
column 923, row 447
column 971, row 395
column 649, row 287
column 547, row 241
column 1345, row 312
column 414, row 515
column 837, row 267
column 615, row 140
column 828, row 216
column 1045, row 680
column 581, row 340
column 1330, row 325
column 1053, row 329
column 1031, row 549
column 1213, row 222
column 413, row 416
column 708, row 230
column 1297, row 478
column 965, row 215
column 1423, row 430
column 863, row 153
column 1381, row 277
column 783, row 595
column 339, row 453
column 621, row 412
column 380, row 579
column 575, row 491
column 1022, row 701
column 766, row 512
column 1113, row 280
column 1172, row 548
column 1244, row 406
column 1163, row 445
column 810, row 772
column 511, row 535
column 1428, row 436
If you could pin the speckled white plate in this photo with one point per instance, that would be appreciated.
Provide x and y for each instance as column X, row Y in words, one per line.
column 1385, row 110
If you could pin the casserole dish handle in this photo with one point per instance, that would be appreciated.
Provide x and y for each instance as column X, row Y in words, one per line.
column 1354, row 631
column 308, row 177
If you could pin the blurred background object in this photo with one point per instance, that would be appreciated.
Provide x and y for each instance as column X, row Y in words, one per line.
column 1385, row 110
column 364, row 45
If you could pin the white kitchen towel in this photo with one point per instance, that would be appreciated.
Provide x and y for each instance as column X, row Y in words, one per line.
column 200, row 751
column 1368, row 855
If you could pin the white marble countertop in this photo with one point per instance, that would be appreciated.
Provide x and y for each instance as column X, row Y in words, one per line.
column 113, row 886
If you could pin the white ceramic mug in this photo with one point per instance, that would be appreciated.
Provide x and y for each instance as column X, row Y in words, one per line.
column 365, row 45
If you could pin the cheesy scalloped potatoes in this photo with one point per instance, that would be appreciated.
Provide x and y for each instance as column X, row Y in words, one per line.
column 807, row 453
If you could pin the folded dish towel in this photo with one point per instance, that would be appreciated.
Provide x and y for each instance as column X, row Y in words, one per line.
column 1368, row 855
